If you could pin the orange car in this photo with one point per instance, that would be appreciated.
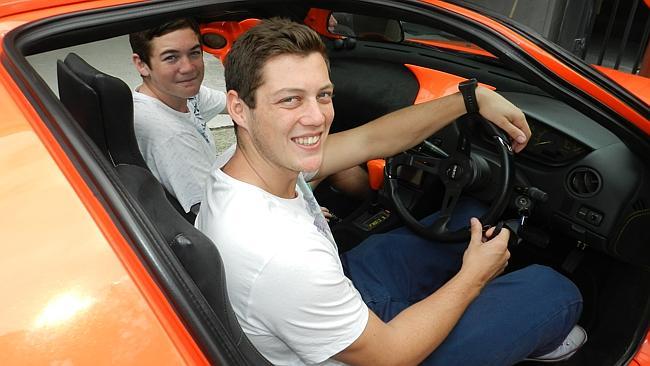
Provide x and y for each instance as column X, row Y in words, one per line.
column 100, row 268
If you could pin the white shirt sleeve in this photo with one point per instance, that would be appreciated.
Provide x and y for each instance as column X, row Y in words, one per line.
column 183, row 168
column 212, row 102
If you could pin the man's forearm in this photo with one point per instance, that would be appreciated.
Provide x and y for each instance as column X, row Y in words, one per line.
column 425, row 325
column 418, row 330
column 415, row 332
column 405, row 128
column 390, row 134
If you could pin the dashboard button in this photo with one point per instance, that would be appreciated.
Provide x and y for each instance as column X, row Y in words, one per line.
column 582, row 213
column 594, row 218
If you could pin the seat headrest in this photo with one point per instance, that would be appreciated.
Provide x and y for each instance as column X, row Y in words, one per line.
column 83, row 103
column 103, row 106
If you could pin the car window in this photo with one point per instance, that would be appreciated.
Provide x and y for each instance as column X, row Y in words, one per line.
column 423, row 34
column 371, row 28
column 365, row 27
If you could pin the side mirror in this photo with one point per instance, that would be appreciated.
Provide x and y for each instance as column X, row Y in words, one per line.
column 365, row 27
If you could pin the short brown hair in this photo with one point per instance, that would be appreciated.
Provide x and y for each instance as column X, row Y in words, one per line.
column 250, row 52
column 141, row 41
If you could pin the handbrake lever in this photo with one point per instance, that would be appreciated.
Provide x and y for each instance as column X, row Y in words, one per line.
column 513, row 225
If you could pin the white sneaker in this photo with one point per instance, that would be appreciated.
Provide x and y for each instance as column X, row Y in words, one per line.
column 576, row 338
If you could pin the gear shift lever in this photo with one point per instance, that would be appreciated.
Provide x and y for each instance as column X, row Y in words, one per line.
column 376, row 181
column 375, row 215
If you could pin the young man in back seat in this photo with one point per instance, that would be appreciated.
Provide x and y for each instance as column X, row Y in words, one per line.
column 172, row 107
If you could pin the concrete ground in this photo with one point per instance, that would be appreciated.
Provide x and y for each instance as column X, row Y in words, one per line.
column 113, row 56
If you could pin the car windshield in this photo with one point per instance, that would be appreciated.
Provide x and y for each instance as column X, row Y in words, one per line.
column 609, row 35
column 371, row 28
column 612, row 41
column 418, row 33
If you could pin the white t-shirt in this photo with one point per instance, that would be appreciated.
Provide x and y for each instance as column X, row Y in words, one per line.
column 178, row 147
column 284, row 275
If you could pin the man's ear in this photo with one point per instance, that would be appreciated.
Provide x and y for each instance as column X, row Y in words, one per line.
column 237, row 109
column 140, row 65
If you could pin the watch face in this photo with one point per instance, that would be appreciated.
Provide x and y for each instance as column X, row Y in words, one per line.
column 468, row 83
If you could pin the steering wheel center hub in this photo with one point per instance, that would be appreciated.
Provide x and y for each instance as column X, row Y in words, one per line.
column 454, row 171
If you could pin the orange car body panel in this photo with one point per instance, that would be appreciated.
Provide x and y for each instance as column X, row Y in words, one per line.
column 435, row 84
column 96, row 304
column 317, row 20
column 39, row 9
column 229, row 31
column 466, row 47
column 638, row 85
column 642, row 357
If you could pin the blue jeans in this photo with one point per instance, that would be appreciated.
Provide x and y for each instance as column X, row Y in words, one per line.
column 523, row 313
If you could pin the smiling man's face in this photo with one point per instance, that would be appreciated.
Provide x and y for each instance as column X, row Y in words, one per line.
column 175, row 70
column 293, row 114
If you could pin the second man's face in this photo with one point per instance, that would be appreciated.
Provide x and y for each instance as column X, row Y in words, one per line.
column 176, row 65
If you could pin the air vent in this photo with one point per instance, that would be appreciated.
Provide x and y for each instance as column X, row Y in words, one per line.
column 584, row 182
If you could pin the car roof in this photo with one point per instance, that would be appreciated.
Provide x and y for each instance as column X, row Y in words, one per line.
column 46, row 8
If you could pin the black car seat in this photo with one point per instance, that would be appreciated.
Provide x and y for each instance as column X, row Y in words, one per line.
column 103, row 107
column 199, row 257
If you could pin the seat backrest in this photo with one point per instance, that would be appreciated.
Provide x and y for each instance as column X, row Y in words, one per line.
column 103, row 106
column 196, row 252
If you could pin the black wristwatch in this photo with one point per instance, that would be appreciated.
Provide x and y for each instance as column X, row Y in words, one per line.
column 468, row 90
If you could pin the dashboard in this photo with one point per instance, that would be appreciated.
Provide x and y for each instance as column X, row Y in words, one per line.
column 560, row 133
column 592, row 179
column 551, row 147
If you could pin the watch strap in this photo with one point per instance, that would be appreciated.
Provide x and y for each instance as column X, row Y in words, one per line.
column 467, row 89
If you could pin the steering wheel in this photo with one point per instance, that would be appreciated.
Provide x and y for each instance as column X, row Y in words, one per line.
column 457, row 172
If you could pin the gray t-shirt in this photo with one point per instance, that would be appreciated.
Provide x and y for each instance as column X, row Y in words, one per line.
column 178, row 147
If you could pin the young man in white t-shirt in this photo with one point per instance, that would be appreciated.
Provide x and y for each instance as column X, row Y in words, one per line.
column 286, row 282
column 171, row 108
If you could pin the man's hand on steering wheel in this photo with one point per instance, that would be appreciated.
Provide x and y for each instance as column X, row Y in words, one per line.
column 498, row 110
column 458, row 171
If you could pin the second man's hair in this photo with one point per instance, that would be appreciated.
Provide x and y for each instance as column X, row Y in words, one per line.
column 141, row 41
